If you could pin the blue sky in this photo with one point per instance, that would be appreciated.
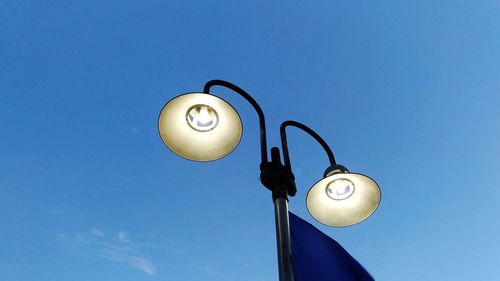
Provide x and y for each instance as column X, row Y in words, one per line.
column 406, row 92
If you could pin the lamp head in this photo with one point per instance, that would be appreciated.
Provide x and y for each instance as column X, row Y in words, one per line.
column 200, row 126
column 342, row 198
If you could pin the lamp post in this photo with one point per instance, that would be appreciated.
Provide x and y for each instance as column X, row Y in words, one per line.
column 203, row 127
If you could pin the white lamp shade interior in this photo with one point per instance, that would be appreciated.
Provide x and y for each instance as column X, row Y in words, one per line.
column 200, row 127
column 343, row 199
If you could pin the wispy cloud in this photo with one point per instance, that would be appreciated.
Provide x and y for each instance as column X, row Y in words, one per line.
column 123, row 237
column 134, row 131
column 209, row 270
column 96, row 232
column 117, row 247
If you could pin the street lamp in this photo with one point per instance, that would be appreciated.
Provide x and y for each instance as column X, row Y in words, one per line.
column 200, row 127
column 203, row 127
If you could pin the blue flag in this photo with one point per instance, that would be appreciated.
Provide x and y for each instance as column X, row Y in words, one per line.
column 317, row 257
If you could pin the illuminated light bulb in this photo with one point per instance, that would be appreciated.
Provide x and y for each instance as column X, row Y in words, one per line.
column 340, row 189
column 202, row 118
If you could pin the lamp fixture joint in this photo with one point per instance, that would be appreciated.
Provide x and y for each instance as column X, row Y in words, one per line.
column 276, row 177
column 335, row 169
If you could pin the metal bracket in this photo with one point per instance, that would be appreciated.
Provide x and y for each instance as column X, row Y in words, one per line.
column 276, row 177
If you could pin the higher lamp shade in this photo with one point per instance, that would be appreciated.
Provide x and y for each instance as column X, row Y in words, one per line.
column 343, row 199
column 200, row 127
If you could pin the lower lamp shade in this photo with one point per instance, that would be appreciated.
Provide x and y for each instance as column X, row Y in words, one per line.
column 200, row 127
column 343, row 199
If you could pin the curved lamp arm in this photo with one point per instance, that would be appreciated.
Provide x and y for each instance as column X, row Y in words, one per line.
column 241, row 92
column 284, row 144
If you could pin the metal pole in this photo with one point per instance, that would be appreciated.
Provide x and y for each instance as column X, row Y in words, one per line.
column 283, row 239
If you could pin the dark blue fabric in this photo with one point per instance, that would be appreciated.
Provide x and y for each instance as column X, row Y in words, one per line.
column 317, row 257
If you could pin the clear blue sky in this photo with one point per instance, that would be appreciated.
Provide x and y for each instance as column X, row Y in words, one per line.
column 406, row 92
